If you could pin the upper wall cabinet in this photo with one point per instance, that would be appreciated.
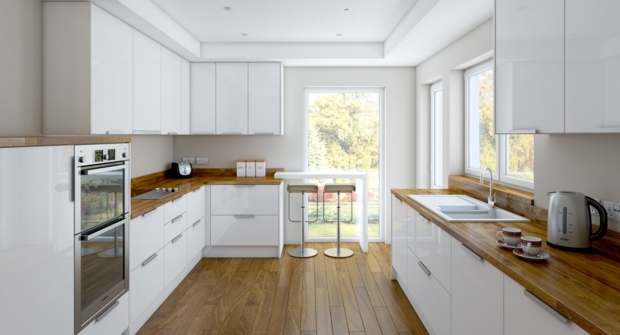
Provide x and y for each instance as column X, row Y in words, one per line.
column 171, row 86
column 236, row 98
column 185, row 96
column 147, row 85
column 557, row 66
column 592, row 66
column 529, row 66
column 87, row 81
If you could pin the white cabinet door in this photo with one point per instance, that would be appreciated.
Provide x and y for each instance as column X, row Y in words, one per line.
column 147, row 282
column 115, row 322
column 432, row 247
column 185, row 97
column 265, row 98
column 519, row 307
column 399, row 238
column 196, row 239
column 195, row 205
column 146, row 85
column 245, row 199
column 202, row 98
column 175, row 227
column 529, row 66
column 231, row 98
column 245, row 230
column 175, row 257
column 147, row 236
column 592, row 66
column 171, row 81
column 174, row 208
column 477, row 294
column 111, row 74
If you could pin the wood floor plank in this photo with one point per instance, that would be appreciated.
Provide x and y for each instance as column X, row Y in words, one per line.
column 371, row 325
column 265, row 308
column 308, row 332
column 339, row 321
column 308, row 306
column 246, row 322
column 354, row 319
column 333, row 283
column 354, row 273
column 323, row 315
column 320, row 276
column 369, row 282
column 279, row 309
column 385, row 321
column 293, row 320
column 372, row 262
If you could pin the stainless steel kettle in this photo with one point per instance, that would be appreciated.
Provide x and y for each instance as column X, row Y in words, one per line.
column 569, row 223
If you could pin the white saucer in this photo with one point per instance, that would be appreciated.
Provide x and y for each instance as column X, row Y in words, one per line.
column 541, row 255
column 501, row 243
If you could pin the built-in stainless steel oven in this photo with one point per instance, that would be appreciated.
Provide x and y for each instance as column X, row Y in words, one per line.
column 102, row 194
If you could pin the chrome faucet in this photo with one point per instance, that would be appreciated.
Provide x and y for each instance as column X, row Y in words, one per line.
column 491, row 198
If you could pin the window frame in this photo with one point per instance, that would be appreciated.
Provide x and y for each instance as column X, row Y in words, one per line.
column 436, row 87
column 501, row 140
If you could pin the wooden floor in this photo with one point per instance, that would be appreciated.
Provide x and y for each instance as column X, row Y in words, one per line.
column 319, row 295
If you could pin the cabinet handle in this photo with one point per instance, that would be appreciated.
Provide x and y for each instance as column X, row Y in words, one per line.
column 545, row 306
column 177, row 218
column 148, row 260
column 176, row 238
column 112, row 132
column 179, row 198
column 523, row 131
column 149, row 212
column 607, row 130
column 244, row 216
column 428, row 272
column 196, row 223
column 472, row 252
column 107, row 310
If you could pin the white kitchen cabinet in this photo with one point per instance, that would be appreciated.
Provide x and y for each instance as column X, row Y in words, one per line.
column 115, row 321
column 202, row 98
column 529, row 66
column 244, row 199
column 244, row 230
column 265, row 99
column 87, row 77
column 185, row 96
column 146, row 85
column 175, row 227
column 477, row 294
column 174, row 208
column 592, row 66
column 195, row 205
column 520, row 307
column 175, row 257
column 147, row 282
column 433, row 249
column 231, row 101
column 196, row 239
column 171, row 93
column 147, row 236
column 399, row 238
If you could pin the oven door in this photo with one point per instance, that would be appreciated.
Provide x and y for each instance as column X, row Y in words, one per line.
column 103, row 194
column 101, row 270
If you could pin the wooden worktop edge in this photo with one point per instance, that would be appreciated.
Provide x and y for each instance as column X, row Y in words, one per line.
column 33, row 141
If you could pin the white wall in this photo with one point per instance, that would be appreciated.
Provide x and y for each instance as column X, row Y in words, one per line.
column 150, row 154
column 287, row 151
column 447, row 65
column 21, row 67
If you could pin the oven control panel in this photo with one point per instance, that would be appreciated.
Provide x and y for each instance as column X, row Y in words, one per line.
column 91, row 154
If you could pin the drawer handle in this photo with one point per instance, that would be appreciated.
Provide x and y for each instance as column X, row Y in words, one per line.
column 177, row 218
column 545, row 306
column 176, row 238
column 196, row 223
column 107, row 311
column 472, row 252
column 114, row 132
column 428, row 272
column 179, row 198
column 244, row 216
column 148, row 260
column 149, row 212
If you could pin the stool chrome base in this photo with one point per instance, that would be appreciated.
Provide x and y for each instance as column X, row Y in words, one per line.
column 333, row 252
column 303, row 252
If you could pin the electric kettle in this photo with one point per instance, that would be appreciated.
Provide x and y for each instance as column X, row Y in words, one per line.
column 569, row 224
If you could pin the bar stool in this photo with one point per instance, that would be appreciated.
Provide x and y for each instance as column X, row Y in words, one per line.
column 302, row 252
column 338, row 252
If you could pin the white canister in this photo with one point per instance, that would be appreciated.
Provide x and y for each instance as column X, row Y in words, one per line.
column 261, row 168
column 241, row 168
column 250, row 168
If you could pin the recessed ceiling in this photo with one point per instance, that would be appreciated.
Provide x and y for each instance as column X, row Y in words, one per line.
column 283, row 21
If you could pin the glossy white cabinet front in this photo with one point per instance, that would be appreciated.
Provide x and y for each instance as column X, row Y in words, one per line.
column 115, row 322
column 244, row 199
column 171, row 95
column 202, row 99
column 399, row 237
column 146, row 85
column 265, row 99
column 433, row 249
column 175, row 253
column 195, row 205
column 36, row 240
column 147, row 282
column 185, row 97
column 231, row 102
column 196, row 239
column 147, row 236
column 244, row 230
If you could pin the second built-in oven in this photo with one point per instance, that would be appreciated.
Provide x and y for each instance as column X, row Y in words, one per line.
column 102, row 193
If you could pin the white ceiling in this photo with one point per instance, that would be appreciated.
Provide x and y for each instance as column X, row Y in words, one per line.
column 304, row 32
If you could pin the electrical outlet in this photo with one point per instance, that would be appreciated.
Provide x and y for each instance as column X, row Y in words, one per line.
column 613, row 210
column 189, row 159
column 202, row 161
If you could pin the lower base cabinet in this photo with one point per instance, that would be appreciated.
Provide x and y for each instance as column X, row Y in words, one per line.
column 195, row 238
column 114, row 322
column 146, row 283
column 175, row 257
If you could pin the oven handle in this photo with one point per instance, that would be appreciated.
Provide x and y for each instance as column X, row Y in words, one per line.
column 108, row 310
column 88, row 237
column 103, row 169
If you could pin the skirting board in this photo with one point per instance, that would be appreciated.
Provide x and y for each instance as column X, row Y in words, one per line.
column 242, row 252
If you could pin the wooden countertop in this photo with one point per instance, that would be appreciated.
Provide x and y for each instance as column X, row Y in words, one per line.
column 582, row 285
column 33, row 141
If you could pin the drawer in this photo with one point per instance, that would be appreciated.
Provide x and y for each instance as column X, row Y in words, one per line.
column 195, row 238
column 146, row 235
column 245, row 199
column 196, row 205
column 146, row 283
column 244, row 231
column 174, row 208
column 175, row 257
column 176, row 226
column 115, row 322
column 433, row 247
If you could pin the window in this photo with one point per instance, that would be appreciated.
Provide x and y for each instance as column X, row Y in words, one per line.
column 436, row 135
column 510, row 157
